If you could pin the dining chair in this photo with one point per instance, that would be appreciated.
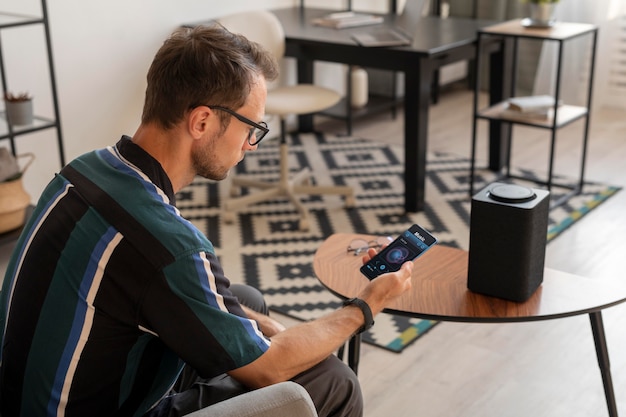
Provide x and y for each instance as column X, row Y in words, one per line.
column 264, row 28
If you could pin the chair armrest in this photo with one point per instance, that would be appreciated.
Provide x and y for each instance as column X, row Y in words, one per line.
column 286, row 399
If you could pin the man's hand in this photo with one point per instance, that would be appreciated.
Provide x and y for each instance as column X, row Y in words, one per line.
column 386, row 287
column 304, row 345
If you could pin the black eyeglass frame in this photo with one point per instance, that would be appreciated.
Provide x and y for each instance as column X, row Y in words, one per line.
column 262, row 126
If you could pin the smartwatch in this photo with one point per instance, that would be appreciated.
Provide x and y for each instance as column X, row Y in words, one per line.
column 365, row 309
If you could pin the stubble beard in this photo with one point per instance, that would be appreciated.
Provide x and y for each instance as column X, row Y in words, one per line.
column 206, row 162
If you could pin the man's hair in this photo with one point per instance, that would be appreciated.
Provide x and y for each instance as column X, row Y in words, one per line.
column 203, row 65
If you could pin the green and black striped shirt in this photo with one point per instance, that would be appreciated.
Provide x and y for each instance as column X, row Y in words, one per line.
column 110, row 291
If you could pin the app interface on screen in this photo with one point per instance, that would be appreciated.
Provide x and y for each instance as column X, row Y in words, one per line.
column 405, row 248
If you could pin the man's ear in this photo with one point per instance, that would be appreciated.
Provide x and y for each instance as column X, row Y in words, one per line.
column 199, row 121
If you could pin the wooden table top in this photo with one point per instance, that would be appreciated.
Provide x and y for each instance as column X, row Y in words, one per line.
column 560, row 30
column 439, row 290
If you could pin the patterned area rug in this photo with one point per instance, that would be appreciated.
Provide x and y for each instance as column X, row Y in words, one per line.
column 264, row 247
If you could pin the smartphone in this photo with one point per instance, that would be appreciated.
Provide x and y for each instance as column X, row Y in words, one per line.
column 407, row 247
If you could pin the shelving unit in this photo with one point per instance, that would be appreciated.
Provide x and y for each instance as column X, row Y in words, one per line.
column 7, row 131
column 562, row 114
column 11, row 133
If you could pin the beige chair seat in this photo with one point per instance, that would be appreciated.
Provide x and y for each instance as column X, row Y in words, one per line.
column 300, row 99
column 264, row 27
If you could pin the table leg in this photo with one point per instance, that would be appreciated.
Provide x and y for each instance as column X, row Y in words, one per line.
column 597, row 327
column 305, row 76
column 354, row 353
column 500, row 68
column 417, row 89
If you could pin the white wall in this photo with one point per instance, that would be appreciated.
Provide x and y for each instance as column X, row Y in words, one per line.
column 102, row 51
column 605, row 14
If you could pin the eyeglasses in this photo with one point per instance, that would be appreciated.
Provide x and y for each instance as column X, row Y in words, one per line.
column 359, row 246
column 258, row 130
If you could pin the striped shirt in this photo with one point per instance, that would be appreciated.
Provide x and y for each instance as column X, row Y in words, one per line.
column 110, row 291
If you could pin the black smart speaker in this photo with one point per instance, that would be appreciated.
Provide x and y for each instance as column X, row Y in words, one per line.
column 508, row 229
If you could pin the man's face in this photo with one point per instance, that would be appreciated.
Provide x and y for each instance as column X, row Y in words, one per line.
column 214, row 156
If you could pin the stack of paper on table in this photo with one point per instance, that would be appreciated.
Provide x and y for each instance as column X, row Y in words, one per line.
column 341, row 20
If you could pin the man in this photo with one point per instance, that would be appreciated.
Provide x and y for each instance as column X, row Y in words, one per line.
column 110, row 293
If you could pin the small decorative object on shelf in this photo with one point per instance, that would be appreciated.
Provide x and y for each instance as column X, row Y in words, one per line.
column 359, row 94
column 541, row 13
column 13, row 197
column 19, row 108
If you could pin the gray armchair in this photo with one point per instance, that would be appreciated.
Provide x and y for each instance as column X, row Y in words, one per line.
column 286, row 399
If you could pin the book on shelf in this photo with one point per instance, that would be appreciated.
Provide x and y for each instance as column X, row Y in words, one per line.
column 531, row 104
column 510, row 113
column 342, row 20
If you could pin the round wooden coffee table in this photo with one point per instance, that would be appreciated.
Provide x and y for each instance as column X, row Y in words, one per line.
column 439, row 292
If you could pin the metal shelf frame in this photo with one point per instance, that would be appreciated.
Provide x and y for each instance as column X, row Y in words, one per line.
column 7, row 130
column 510, row 33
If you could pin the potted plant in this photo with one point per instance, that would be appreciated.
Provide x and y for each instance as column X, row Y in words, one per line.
column 542, row 11
column 19, row 108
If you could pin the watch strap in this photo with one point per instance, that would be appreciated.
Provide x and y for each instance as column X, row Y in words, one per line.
column 365, row 309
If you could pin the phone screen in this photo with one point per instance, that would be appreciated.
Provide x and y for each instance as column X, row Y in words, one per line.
column 407, row 247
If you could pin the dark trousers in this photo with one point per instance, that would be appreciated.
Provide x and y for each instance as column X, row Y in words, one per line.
column 332, row 385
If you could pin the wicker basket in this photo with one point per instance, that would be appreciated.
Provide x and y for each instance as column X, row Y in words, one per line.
column 13, row 200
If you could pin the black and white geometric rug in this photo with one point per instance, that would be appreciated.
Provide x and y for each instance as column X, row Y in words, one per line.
column 264, row 247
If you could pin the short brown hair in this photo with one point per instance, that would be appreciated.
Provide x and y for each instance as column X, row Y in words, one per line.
column 203, row 65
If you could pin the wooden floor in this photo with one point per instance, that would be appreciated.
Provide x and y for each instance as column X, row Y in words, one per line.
column 510, row 370
column 523, row 369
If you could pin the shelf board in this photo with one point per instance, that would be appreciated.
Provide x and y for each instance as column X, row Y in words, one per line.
column 560, row 30
column 566, row 114
column 375, row 104
column 39, row 123
column 8, row 20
